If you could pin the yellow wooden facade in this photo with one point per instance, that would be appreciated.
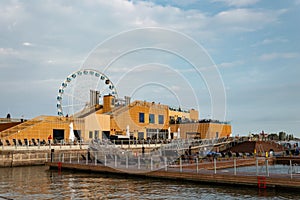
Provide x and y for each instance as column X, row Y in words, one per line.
column 140, row 117
column 207, row 130
column 40, row 128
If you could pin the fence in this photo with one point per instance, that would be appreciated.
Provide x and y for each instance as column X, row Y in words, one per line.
column 154, row 162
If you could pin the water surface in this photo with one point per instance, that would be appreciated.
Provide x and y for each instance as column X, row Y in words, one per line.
column 40, row 183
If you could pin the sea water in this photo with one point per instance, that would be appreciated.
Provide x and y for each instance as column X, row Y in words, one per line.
column 41, row 183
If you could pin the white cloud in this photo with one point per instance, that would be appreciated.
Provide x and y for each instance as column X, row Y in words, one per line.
column 231, row 64
column 273, row 56
column 245, row 19
column 11, row 14
column 241, row 20
column 238, row 3
column 275, row 40
column 269, row 41
column 8, row 52
column 27, row 44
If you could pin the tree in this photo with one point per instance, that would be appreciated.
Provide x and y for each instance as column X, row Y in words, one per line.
column 282, row 135
column 273, row 136
column 291, row 137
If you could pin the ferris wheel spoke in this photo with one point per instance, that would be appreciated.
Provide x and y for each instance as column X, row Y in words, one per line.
column 75, row 94
column 75, row 97
column 73, row 105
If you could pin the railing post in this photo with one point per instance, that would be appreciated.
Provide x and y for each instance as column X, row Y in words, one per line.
column 126, row 161
column 215, row 165
column 139, row 162
column 96, row 157
column 151, row 163
column 180, row 164
column 234, row 164
column 70, row 157
column 86, row 158
column 63, row 157
column 267, row 167
column 116, row 161
column 77, row 158
column 256, row 166
column 197, row 165
column 291, row 167
column 166, row 164
column 105, row 160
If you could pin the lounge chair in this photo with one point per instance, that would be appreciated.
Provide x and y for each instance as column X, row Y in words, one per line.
column 7, row 142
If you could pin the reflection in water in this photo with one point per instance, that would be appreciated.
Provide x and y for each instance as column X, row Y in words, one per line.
column 41, row 183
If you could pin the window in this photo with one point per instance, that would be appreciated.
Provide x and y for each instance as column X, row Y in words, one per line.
column 91, row 134
column 140, row 135
column 142, row 117
column 151, row 119
column 160, row 119
column 96, row 134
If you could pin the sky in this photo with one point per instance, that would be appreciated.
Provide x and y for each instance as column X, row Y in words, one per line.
column 253, row 46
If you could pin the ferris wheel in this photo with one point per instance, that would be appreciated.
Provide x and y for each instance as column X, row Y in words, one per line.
column 74, row 93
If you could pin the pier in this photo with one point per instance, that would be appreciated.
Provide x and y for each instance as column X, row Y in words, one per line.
column 222, row 178
column 216, row 171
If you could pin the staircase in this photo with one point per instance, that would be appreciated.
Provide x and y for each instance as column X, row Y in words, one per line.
column 20, row 127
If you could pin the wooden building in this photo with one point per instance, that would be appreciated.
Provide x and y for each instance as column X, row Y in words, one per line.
column 137, row 119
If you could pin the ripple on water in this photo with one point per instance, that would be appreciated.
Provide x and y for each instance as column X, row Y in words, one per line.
column 41, row 183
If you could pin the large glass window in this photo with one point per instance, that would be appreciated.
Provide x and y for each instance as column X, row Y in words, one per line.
column 96, row 134
column 160, row 119
column 151, row 118
column 91, row 134
column 142, row 117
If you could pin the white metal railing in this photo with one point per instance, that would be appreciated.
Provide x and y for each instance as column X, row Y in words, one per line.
column 138, row 163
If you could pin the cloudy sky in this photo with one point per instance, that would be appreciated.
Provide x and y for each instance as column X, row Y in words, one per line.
column 254, row 44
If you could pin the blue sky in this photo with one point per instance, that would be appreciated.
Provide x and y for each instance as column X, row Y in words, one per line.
column 254, row 43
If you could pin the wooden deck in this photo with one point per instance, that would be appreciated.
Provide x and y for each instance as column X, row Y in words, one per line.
column 286, row 160
column 274, row 181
